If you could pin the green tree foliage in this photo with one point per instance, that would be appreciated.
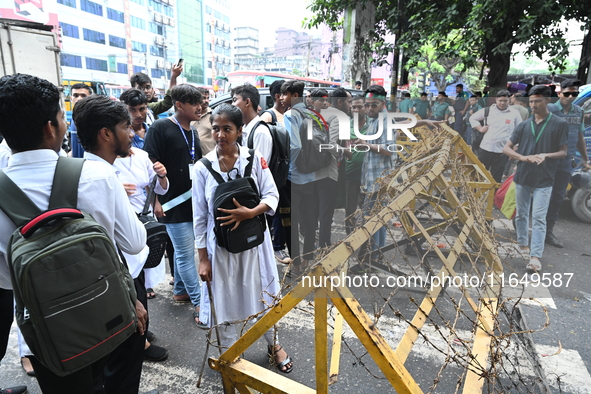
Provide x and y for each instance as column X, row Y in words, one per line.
column 473, row 31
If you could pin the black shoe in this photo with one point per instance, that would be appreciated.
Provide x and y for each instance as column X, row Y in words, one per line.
column 150, row 336
column 155, row 353
column 552, row 240
column 14, row 390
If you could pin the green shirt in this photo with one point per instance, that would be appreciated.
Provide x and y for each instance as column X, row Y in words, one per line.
column 422, row 108
column 405, row 105
column 440, row 109
column 161, row 106
column 354, row 164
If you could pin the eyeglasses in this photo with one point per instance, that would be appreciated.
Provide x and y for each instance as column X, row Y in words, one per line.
column 372, row 105
column 570, row 94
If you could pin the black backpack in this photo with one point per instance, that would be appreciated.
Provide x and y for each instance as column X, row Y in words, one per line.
column 311, row 158
column 156, row 235
column 75, row 301
column 279, row 161
column 251, row 232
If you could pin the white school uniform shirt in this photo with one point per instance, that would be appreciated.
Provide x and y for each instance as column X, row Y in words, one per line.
column 501, row 125
column 263, row 142
column 138, row 169
column 266, row 285
column 100, row 194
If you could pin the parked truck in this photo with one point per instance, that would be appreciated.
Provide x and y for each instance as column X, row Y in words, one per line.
column 29, row 48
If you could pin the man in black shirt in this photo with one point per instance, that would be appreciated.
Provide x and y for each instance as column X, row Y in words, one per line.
column 175, row 143
column 542, row 142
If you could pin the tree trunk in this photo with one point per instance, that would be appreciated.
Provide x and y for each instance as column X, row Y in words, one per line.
column 499, row 65
column 584, row 62
column 357, row 25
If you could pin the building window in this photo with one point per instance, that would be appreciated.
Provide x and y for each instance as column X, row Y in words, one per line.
column 71, row 60
column 219, row 32
column 94, row 36
column 157, row 73
column 169, row 11
column 226, row 19
column 139, row 46
column 209, row 46
column 118, row 42
column 121, row 68
column 70, row 30
column 209, row 64
column 209, row 81
column 156, row 6
column 219, row 50
column 96, row 64
column 140, row 2
column 226, row 52
column 156, row 51
column 92, row 7
column 217, row 15
column 137, row 22
column 156, row 29
column 69, row 3
column 208, row 10
column 208, row 28
column 115, row 15
column 137, row 69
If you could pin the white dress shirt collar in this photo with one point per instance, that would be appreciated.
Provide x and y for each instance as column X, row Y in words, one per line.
column 32, row 156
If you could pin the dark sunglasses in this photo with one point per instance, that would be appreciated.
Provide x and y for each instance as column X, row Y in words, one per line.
column 570, row 94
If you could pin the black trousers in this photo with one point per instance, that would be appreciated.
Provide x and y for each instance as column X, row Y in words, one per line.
column 304, row 217
column 6, row 317
column 123, row 370
column 326, row 195
column 86, row 381
column 494, row 162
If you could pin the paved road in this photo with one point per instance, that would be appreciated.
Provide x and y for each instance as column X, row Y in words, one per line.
column 564, row 347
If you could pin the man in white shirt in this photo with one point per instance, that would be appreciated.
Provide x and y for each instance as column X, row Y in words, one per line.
column 500, row 123
column 34, row 127
column 247, row 98
column 105, row 132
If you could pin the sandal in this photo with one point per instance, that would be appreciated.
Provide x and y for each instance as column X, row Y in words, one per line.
column 150, row 293
column 534, row 265
column 273, row 354
column 200, row 324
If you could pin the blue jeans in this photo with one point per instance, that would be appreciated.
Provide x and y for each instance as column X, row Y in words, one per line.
column 561, row 180
column 539, row 207
column 186, row 280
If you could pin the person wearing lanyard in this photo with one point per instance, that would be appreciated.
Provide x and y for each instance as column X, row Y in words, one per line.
column 542, row 143
column 175, row 144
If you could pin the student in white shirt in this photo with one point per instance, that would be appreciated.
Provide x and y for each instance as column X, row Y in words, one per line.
column 104, row 130
column 247, row 98
column 246, row 283
column 34, row 127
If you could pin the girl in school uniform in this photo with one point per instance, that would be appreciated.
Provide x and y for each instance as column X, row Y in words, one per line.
column 243, row 284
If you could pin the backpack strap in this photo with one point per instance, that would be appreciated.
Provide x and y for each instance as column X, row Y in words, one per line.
column 15, row 203
column 64, row 192
column 273, row 115
column 486, row 112
column 151, row 195
column 213, row 172
column 248, row 169
column 250, row 142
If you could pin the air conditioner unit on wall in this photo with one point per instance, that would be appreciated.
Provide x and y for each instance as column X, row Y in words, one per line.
column 172, row 22
column 158, row 17
column 159, row 40
column 160, row 63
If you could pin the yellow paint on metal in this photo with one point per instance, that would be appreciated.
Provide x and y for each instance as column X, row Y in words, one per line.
column 321, row 341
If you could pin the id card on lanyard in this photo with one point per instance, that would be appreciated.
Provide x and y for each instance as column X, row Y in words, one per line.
column 190, row 147
column 533, row 129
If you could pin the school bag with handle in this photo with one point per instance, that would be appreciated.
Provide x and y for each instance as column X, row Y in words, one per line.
column 311, row 157
column 279, row 161
column 75, row 301
column 156, row 235
column 249, row 233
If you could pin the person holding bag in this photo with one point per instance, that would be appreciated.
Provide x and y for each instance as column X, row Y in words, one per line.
column 244, row 280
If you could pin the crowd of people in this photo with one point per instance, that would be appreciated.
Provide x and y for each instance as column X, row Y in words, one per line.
column 185, row 159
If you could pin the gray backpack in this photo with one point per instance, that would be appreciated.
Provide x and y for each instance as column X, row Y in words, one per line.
column 75, row 301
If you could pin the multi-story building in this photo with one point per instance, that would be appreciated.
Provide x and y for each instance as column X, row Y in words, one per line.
column 218, row 40
column 109, row 41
